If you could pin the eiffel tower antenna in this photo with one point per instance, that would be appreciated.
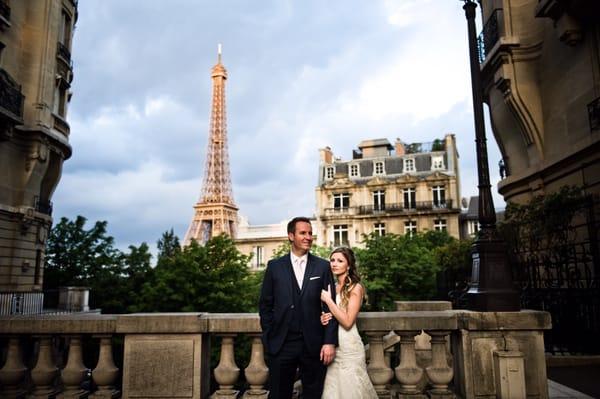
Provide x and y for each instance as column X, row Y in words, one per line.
column 215, row 213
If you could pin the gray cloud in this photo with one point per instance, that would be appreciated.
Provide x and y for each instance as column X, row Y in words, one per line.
column 302, row 75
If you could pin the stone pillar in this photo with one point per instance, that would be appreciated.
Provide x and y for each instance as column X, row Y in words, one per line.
column 105, row 374
column 74, row 372
column 257, row 371
column 13, row 371
column 439, row 373
column 379, row 373
column 45, row 370
column 226, row 372
column 407, row 372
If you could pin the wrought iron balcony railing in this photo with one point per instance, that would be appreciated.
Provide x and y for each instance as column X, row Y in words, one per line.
column 420, row 206
column 11, row 98
column 594, row 114
column 43, row 206
column 64, row 52
column 489, row 35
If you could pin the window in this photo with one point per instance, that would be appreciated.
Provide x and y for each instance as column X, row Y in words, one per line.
column 437, row 162
column 379, row 200
column 409, row 165
column 329, row 172
column 473, row 227
column 60, row 99
column 410, row 228
column 341, row 201
column 439, row 196
column 354, row 171
column 409, row 198
column 380, row 229
column 439, row 224
column 64, row 34
column 258, row 256
column 379, row 168
column 340, row 235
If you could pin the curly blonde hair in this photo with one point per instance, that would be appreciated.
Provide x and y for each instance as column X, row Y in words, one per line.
column 352, row 278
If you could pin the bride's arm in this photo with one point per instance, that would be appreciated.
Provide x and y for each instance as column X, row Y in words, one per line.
column 346, row 317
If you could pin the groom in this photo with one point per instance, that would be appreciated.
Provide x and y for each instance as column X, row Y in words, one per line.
column 290, row 309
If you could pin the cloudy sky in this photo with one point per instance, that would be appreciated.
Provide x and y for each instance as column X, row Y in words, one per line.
column 302, row 75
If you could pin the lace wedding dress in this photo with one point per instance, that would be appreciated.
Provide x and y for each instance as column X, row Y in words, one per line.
column 347, row 376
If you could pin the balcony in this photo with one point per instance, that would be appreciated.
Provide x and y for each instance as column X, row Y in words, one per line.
column 168, row 355
column 63, row 53
column 44, row 207
column 11, row 98
column 421, row 206
column 490, row 34
column 347, row 211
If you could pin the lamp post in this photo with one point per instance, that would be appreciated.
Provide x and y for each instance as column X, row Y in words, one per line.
column 491, row 288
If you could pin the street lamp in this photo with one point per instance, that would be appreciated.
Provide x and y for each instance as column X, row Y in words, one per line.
column 491, row 288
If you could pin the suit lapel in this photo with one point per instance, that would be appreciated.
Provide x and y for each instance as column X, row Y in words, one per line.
column 307, row 272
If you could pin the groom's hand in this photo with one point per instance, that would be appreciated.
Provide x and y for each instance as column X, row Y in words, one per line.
column 327, row 354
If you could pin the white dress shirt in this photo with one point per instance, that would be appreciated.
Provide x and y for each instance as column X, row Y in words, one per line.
column 299, row 265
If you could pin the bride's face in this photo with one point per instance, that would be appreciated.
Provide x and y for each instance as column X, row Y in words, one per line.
column 339, row 264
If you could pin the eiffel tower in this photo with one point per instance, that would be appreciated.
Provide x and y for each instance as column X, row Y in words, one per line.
column 215, row 213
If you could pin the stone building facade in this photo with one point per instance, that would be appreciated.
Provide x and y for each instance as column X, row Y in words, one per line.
column 260, row 241
column 540, row 64
column 35, row 79
column 385, row 188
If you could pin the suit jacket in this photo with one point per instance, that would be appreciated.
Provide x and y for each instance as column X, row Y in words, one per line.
column 276, row 300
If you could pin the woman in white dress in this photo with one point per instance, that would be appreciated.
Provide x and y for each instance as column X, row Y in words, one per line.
column 347, row 376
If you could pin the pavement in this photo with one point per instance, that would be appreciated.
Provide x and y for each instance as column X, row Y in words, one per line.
column 581, row 381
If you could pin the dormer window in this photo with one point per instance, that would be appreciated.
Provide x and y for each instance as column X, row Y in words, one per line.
column 354, row 170
column 378, row 168
column 409, row 165
column 437, row 162
column 329, row 172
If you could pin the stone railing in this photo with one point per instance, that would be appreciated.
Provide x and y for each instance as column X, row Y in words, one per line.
column 472, row 355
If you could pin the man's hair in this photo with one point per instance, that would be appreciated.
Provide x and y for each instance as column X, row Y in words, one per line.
column 291, row 227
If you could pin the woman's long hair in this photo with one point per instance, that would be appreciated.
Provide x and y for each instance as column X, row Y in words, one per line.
column 352, row 278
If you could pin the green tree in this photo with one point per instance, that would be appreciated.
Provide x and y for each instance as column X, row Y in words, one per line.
column 398, row 267
column 168, row 245
column 210, row 278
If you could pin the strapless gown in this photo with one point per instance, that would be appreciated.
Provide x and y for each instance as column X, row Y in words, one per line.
column 347, row 376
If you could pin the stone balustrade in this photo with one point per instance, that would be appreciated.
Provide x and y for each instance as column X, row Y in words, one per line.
column 471, row 355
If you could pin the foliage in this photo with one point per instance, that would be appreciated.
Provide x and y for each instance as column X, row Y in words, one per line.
column 76, row 256
column 210, row 278
column 438, row 145
column 398, row 267
column 322, row 252
column 168, row 245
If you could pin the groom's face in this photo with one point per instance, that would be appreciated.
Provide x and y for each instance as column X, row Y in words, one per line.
column 302, row 238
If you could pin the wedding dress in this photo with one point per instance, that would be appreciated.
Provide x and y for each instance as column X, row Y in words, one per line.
column 347, row 376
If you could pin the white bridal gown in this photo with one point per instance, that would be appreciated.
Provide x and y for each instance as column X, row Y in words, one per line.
column 347, row 376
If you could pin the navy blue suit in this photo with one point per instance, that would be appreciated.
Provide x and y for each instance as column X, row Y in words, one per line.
column 291, row 328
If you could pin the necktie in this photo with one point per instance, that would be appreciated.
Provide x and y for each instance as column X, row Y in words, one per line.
column 300, row 271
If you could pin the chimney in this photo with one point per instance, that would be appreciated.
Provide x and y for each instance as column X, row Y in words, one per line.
column 399, row 145
column 326, row 155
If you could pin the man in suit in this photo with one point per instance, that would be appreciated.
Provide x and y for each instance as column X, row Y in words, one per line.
column 290, row 309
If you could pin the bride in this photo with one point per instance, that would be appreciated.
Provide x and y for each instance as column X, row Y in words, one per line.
column 347, row 376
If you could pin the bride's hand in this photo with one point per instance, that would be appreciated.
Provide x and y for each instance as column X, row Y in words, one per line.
column 326, row 295
column 325, row 317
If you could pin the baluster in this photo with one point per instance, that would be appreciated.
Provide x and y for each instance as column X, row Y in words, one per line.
column 226, row 372
column 407, row 372
column 439, row 373
column 13, row 371
column 379, row 373
column 257, row 371
column 105, row 374
column 45, row 371
column 75, row 371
